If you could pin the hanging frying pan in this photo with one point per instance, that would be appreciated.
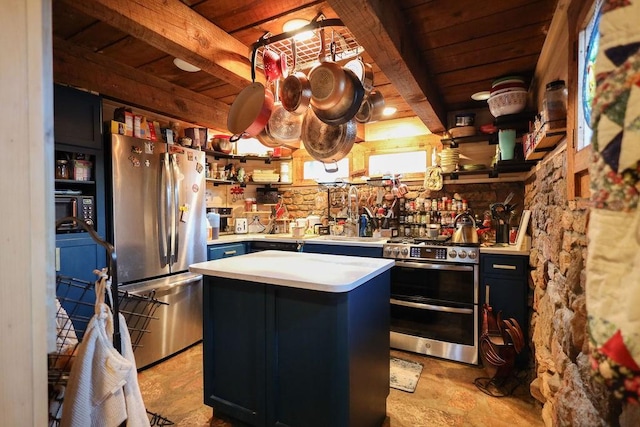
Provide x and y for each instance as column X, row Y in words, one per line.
column 327, row 143
column 371, row 108
column 283, row 127
column 251, row 109
column 347, row 107
column 328, row 81
column 295, row 91
column 363, row 71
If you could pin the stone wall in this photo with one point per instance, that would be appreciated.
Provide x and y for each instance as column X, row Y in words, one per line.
column 563, row 382
column 313, row 200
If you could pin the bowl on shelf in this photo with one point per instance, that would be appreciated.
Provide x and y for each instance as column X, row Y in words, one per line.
column 511, row 102
column 462, row 131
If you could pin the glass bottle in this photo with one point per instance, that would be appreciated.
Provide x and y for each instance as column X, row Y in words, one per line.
column 62, row 170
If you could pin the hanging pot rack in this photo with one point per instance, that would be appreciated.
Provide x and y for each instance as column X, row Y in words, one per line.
column 307, row 50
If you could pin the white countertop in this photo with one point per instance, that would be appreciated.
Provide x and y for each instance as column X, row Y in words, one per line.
column 318, row 272
column 352, row 241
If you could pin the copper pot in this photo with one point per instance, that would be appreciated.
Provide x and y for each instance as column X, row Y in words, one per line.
column 251, row 109
column 371, row 108
column 295, row 91
column 329, row 83
column 363, row 71
column 348, row 105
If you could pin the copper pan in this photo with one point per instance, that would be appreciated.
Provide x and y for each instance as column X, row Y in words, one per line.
column 329, row 83
column 251, row 109
column 295, row 91
column 347, row 107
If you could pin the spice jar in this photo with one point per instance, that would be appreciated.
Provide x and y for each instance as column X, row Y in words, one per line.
column 248, row 204
column 555, row 101
column 62, row 170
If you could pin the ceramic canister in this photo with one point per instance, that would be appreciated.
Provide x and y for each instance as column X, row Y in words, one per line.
column 507, row 143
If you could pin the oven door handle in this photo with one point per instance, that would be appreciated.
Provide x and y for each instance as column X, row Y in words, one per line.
column 432, row 307
column 429, row 266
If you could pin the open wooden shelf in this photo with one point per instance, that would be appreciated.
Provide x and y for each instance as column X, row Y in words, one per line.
column 546, row 142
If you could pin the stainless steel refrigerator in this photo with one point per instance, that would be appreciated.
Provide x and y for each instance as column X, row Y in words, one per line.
column 157, row 220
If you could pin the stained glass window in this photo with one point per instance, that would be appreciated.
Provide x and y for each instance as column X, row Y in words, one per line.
column 588, row 49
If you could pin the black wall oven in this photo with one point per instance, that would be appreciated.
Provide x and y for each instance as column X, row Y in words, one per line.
column 435, row 300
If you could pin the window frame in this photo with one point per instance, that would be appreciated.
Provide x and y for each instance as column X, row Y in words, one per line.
column 578, row 160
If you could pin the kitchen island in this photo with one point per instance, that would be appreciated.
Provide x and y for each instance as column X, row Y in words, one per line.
column 297, row 339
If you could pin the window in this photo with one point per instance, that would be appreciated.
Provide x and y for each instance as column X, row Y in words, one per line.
column 402, row 163
column 587, row 50
column 583, row 26
column 317, row 171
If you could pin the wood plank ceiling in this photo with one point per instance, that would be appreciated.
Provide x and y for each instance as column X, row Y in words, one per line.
column 428, row 56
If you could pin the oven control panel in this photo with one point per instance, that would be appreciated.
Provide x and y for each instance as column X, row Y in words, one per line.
column 436, row 253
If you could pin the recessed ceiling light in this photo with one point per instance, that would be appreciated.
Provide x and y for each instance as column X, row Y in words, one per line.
column 388, row 111
column 293, row 25
column 185, row 66
column 481, row 96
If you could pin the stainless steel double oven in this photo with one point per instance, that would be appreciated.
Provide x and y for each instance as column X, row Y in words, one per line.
column 435, row 299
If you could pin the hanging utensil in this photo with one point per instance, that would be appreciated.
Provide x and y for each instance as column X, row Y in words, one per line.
column 328, row 80
column 283, row 127
column 251, row 109
column 272, row 64
column 363, row 71
column 295, row 92
column 371, row 108
column 327, row 143
column 433, row 178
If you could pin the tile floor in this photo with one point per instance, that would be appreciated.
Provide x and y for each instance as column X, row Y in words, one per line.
column 445, row 396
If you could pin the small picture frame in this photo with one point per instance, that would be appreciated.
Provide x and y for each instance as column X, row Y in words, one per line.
column 522, row 228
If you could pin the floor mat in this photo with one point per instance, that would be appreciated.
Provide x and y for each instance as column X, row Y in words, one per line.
column 404, row 374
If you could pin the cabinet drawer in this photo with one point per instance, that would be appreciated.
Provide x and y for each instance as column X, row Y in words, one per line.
column 504, row 265
column 225, row 251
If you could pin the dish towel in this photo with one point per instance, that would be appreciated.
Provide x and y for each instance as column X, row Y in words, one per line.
column 103, row 388
column 613, row 260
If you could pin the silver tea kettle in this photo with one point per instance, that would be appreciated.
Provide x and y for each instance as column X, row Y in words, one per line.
column 466, row 231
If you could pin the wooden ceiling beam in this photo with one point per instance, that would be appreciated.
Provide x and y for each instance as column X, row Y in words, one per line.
column 174, row 28
column 80, row 67
column 380, row 27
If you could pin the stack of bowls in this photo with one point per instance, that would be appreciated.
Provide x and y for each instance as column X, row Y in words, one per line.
column 265, row 175
column 449, row 158
column 508, row 96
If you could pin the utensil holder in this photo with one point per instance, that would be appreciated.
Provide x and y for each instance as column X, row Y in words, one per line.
column 502, row 233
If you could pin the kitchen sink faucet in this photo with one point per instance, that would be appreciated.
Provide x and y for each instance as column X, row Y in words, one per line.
column 351, row 226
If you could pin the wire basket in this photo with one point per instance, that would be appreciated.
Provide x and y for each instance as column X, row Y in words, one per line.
column 75, row 306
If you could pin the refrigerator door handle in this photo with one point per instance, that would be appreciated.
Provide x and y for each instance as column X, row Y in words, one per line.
column 164, row 206
column 175, row 208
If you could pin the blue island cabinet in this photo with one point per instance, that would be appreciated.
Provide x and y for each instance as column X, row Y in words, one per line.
column 282, row 356
column 373, row 252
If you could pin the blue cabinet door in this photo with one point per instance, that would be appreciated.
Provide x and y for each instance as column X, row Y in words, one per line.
column 225, row 251
column 77, row 117
column 365, row 251
column 77, row 257
column 504, row 278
